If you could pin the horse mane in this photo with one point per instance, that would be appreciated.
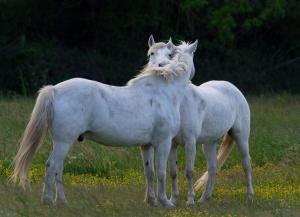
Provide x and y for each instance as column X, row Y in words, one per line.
column 176, row 67
column 183, row 45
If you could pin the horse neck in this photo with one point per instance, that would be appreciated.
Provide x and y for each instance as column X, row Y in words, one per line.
column 172, row 89
column 181, row 81
column 180, row 86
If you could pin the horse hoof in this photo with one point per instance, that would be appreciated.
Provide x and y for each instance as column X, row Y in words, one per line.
column 202, row 200
column 62, row 202
column 190, row 202
column 173, row 199
column 151, row 201
column 167, row 203
column 250, row 196
column 47, row 201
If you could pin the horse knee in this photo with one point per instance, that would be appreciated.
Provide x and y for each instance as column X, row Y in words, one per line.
column 161, row 175
column 246, row 159
column 52, row 168
column 173, row 173
column 49, row 166
column 212, row 169
column 189, row 173
column 150, row 174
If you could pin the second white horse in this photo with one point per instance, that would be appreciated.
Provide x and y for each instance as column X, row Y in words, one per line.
column 207, row 113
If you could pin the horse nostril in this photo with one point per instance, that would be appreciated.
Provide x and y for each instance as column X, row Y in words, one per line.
column 160, row 65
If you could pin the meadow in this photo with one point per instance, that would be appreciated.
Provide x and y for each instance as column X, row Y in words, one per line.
column 104, row 181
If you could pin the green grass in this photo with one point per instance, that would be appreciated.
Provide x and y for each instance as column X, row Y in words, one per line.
column 103, row 181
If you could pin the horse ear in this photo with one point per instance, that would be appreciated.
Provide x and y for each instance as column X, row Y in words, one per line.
column 151, row 41
column 170, row 44
column 193, row 47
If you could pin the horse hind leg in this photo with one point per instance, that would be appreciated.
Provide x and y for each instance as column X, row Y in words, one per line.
column 47, row 197
column 211, row 159
column 190, row 152
column 147, row 152
column 60, row 195
column 173, row 172
column 243, row 146
column 54, row 168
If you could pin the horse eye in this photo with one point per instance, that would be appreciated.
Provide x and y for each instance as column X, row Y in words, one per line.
column 170, row 55
column 151, row 53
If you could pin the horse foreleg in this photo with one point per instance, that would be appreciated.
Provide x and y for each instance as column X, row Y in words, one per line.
column 211, row 159
column 163, row 150
column 60, row 195
column 147, row 152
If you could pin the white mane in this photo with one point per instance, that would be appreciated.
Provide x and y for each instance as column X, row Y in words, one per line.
column 176, row 67
column 183, row 45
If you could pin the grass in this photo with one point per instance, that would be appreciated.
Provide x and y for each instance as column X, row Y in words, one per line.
column 99, row 183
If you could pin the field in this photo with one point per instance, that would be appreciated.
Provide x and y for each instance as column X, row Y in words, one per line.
column 102, row 181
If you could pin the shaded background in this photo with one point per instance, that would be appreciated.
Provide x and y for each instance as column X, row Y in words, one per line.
column 254, row 44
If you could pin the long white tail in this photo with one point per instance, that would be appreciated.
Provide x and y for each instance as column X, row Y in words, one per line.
column 224, row 151
column 40, row 120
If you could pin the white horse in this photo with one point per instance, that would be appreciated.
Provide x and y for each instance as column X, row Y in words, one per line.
column 146, row 111
column 207, row 113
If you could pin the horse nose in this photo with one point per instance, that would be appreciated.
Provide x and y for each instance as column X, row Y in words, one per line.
column 163, row 63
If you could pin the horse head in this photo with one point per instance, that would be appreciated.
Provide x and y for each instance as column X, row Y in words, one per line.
column 160, row 53
column 187, row 51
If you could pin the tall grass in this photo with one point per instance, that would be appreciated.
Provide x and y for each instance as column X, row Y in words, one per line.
column 105, row 181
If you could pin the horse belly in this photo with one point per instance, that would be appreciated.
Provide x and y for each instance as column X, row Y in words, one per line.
column 118, row 137
column 123, row 130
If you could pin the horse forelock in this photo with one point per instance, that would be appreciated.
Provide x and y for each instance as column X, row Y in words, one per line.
column 156, row 47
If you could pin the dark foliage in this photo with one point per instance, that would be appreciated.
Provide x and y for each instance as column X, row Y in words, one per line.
column 254, row 44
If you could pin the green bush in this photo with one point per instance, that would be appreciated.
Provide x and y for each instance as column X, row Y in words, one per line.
column 254, row 44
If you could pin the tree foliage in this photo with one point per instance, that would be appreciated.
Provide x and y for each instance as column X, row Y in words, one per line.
column 254, row 44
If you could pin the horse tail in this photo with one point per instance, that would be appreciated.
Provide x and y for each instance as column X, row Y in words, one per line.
column 40, row 120
column 224, row 151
